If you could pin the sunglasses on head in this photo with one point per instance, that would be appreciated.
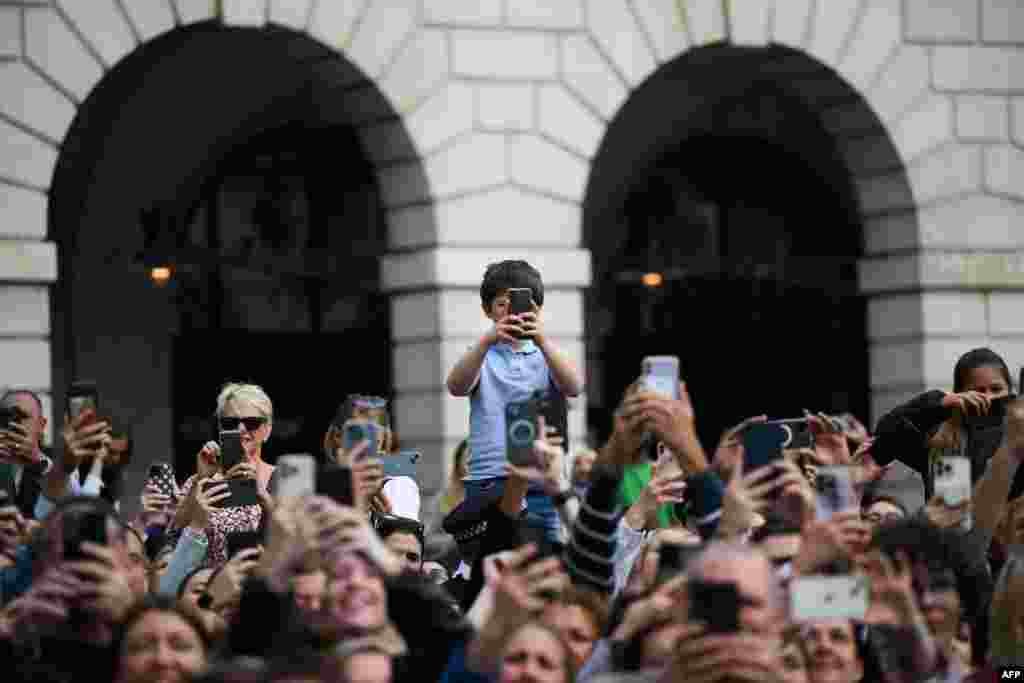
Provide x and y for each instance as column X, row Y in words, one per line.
column 371, row 402
column 229, row 424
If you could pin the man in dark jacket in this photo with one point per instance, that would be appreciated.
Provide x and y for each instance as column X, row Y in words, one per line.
column 21, row 448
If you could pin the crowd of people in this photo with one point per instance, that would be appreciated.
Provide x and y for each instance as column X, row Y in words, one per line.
column 649, row 558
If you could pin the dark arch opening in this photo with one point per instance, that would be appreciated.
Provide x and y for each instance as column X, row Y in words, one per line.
column 729, row 174
column 233, row 153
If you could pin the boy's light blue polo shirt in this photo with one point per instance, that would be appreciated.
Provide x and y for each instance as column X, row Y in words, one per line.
column 508, row 375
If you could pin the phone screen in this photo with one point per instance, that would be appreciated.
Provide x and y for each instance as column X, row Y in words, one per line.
column 716, row 604
column 243, row 492
column 763, row 444
column 335, row 482
column 231, row 452
column 520, row 301
column 357, row 432
column 237, row 541
column 673, row 558
column 88, row 526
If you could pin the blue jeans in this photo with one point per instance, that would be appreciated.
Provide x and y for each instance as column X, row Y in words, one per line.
column 540, row 511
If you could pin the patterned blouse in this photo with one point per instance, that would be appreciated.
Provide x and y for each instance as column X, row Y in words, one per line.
column 223, row 522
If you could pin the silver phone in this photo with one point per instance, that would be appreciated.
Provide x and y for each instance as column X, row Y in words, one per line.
column 297, row 476
column 660, row 375
column 952, row 477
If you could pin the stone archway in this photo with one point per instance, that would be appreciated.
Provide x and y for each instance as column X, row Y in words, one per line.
column 739, row 196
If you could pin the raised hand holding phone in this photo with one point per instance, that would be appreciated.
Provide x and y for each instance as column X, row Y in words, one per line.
column 206, row 495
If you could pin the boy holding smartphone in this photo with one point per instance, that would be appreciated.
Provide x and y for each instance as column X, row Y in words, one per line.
column 510, row 363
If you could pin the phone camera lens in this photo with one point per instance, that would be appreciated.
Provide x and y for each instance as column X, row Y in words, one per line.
column 522, row 432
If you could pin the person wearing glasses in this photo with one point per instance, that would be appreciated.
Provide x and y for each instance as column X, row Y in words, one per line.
column 244, row 407
column 398, row 495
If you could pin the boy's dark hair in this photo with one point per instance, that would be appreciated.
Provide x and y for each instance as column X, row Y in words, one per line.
column 511, row 275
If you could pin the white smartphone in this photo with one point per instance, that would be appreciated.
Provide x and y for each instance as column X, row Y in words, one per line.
column 297, row 476
column 952, row 477
column 661, row 375
column 834, row 484
column 829, row 597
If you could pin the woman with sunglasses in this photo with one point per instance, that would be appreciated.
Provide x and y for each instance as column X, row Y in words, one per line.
column 247, row 408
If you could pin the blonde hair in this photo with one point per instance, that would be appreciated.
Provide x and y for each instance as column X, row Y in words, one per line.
column 245, row 393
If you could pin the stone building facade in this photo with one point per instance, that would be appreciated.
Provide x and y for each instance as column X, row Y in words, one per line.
column 483, row 119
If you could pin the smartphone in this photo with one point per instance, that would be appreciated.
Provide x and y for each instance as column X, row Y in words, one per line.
column 401, row 464
column 763, row 443
column 89, row 525
column 520, row 432
column 520, row 300
column 355, row 433
column 83, row 396
column 673, row 559
column 161, row 475
column 296, row 476
column 237, row 541
column 716, row 604
column 660, row 374
column 335, row 482
column 9, row 415
column 554, row 410
column 893, row 649
column 231, row 451
column 834, row 484
column 801, row 435
column 243, row 492
column 829, row 597
column 995, row 417
column 952, row 481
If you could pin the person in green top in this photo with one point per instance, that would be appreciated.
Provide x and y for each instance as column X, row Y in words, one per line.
column 639, row 475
